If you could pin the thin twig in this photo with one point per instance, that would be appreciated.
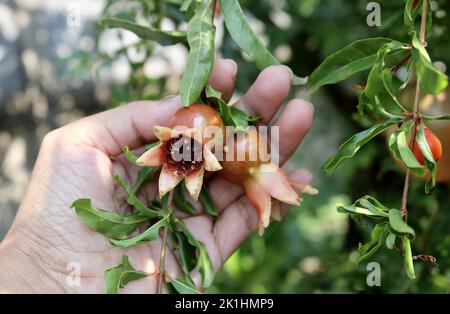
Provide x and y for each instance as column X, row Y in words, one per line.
column 162, row 257
column 416, row 120
column 214, row 5
column 404, row 210
column 423, row 25
column 405, row 59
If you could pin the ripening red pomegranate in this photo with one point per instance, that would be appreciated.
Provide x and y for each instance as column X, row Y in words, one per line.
column 186, row 148
column 261, row 179
column 433, row 142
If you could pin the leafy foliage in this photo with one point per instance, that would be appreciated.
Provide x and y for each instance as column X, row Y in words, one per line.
column 108, row 223
column 356, row 57
column 278, row 267
column 379, row 95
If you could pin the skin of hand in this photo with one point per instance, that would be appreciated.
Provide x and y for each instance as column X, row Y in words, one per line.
column 48, row 244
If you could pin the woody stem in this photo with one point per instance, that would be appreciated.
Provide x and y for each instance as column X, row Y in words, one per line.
column 416, row 119
column 162, row 257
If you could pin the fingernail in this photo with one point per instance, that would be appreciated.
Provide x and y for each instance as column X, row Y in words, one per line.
column 235, row 66
column 289, row 69
column 313, row 109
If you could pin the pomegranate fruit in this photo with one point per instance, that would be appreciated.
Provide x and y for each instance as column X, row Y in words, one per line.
column 186, row 148
column 433, row 142
column 261, row 179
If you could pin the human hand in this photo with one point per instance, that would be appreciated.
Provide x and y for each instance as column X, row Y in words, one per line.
column 80, row 160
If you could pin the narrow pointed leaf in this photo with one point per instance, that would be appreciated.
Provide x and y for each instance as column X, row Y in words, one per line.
column 136, row 203
column 358, row 56
column 149, row 235
column 408, row 258
column 119, row 276
column 246, row 39
column 207, row 203
column 390, row 241
column 165, row 38
column 180, row 201
column 200, row 35
column 437, row 117
column 182, row 287
column 432, row 80
column 377, row 236
column 353, row 209
column 230, row 115
column 145, row 174
column 406, row 155
column 204, row 264
column 107, row 223
column 398, row 225
column 352, row 145
column 428, row 158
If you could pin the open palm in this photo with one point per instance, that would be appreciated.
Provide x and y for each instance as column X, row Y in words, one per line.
column 80, row 160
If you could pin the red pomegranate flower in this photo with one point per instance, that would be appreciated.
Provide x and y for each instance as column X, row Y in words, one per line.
column 186, row 148
column 265, row 184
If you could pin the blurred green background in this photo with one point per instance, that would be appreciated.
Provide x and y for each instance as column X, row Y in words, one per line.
column 57, row 65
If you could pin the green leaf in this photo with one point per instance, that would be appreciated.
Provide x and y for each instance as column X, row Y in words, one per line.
column 351, row 146
column 107, row 223
column 437, row 117
column 432, row 80
column 377, row 236
column 200, row 35
column 131, row 157
column 230, row 115
column 246, row 39
column 382, row 86
column 372, row 203
column 145, row 174
column 398, row 225
column 164, row 38
column 187, row 4
column 186, row 251
column 399, row 146
column 150, row 234
column 180, row 201
column 390, row 241
column 410, row 14
column 207, row 203
column 428, row 158
column 210, row 92
column 136, row 203
column 204, row 263
column 182, row 287
column 119, row 276
column 408, row 258
column 353, row 209
column 236, row 118
column 187, row 255
column 170, row 288
column 356, row 57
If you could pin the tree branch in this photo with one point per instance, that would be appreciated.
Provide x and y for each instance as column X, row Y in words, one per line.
column 416, row 118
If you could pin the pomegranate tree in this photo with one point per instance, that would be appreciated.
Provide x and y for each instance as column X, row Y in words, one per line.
column 410, row 142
